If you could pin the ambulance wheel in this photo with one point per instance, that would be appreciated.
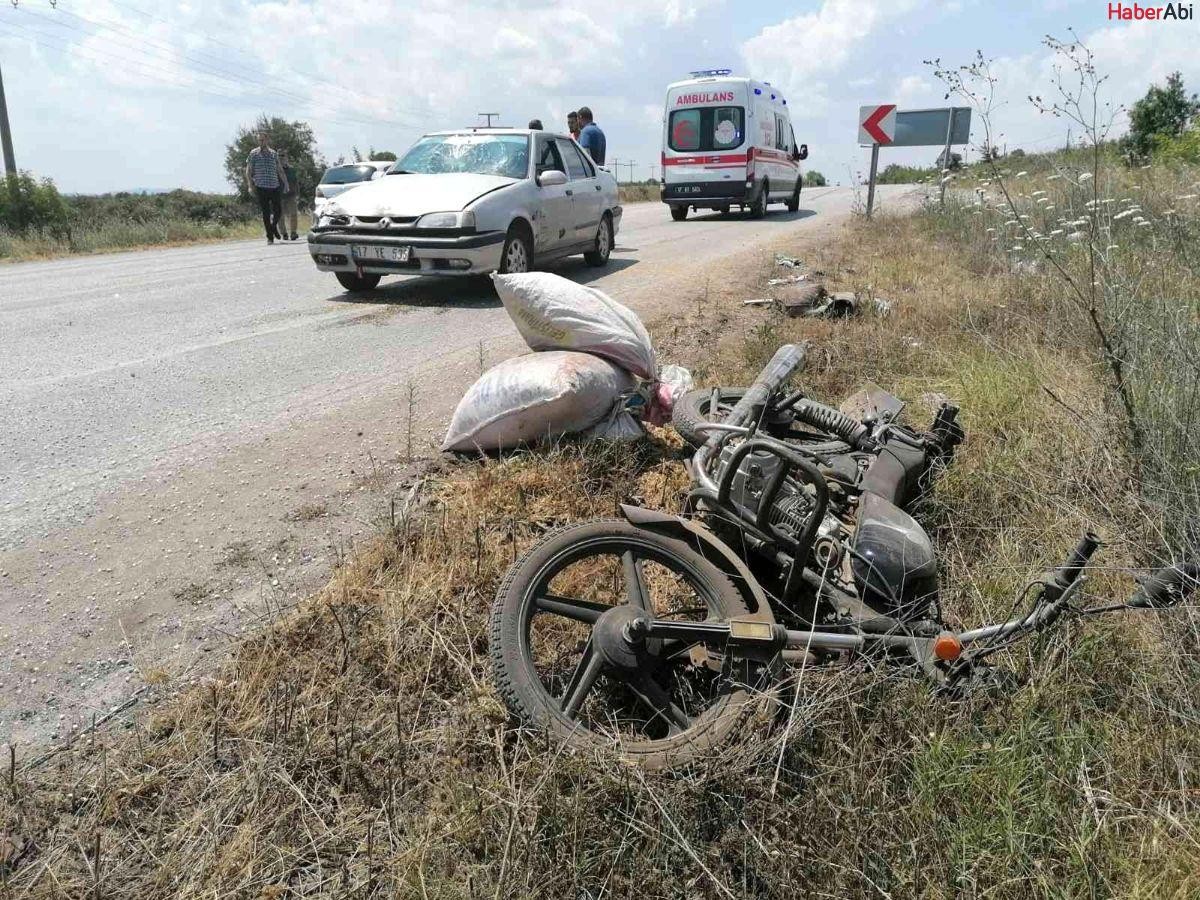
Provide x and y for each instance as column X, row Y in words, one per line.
column 724, row 210
column 758, row 208
column 598, row 256
column 354, row 282
column 679, row 213
column 793, row 203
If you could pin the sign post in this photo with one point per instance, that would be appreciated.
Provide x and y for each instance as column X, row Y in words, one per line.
column 876, row 125
column 882, row 125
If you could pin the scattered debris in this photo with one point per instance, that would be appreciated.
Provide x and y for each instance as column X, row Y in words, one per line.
column 788, row 262
column 812, row 300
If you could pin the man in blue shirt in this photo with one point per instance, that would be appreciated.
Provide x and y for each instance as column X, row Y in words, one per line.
column 591, row 138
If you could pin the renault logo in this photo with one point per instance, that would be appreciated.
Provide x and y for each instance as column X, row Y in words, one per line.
column 385, row 222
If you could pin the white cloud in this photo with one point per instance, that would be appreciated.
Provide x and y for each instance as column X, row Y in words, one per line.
column 800, row 53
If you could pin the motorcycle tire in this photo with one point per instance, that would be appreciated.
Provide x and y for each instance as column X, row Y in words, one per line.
column 671, row 735
column 692, row 410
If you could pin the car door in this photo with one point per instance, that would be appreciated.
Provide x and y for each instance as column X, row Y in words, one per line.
column 589, row 200
column 554, row 224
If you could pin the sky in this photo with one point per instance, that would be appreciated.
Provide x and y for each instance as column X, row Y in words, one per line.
column 108, row 95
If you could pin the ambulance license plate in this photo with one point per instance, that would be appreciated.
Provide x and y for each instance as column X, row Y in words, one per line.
column 365, row 253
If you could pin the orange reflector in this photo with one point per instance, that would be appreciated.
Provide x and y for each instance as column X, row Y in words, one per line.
column 947, row 647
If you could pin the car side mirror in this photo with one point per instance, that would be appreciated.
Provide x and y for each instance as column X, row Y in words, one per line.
column 551, row 177
column 802, row 151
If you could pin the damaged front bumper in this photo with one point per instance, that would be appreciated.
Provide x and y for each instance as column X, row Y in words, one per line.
column 470, row 254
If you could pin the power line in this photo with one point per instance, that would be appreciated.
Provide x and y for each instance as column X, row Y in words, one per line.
column 110, row 25
column 150, row 69
column 233, row 78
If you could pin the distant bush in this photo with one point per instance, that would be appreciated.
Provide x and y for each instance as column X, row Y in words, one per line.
column 36, row 205
column 1162, row 114
column 191, row 206
column 897, row 174
column 813, row 178
column 1184, row 148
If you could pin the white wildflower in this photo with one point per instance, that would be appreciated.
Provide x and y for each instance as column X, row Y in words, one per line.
column 1085, row 176
column 1187, row 197
column 1020, row 174
column 1056, row 232
column 1076, row 236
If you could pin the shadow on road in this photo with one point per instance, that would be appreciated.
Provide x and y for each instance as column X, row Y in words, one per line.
column 772, row 215
column 469, row 293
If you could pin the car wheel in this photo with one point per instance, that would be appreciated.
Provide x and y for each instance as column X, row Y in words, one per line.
column 793, row 203
column 679, row 213
column 354, row 282
column 758, row 208
column 517, row 255
column 604, row 243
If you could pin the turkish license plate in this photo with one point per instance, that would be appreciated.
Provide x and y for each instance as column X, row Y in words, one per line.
column 368, row 253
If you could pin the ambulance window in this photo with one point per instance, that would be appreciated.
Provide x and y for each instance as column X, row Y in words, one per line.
column 685, row 129
column 727, row 127
column 548, row 158
column 780, row 133
column 575, row 168
column 706, row 128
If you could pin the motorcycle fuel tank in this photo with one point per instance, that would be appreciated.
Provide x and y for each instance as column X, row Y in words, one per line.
column 894, row 564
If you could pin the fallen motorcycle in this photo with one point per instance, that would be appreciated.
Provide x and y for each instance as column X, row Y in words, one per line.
column 652, row 633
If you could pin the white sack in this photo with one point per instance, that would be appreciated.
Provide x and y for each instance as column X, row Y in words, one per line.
column 620, row 426
column 534, row 397
column 554, row 313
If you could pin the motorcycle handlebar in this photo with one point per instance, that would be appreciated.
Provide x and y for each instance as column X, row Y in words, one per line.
column 783, row 364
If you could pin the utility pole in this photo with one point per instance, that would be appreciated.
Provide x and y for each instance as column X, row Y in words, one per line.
column 489, row 117
column 10, row 161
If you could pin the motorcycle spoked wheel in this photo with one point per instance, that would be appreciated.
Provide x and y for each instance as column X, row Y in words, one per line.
column 561, row 662
column 694, row 409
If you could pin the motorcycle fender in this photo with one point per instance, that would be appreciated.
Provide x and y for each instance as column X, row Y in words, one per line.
column 712, row 548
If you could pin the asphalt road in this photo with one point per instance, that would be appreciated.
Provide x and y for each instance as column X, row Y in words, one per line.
column 167, row 415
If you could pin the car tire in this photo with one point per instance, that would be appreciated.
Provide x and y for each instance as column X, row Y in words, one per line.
column 604, row 243
column 758, row 208
column 352, row 281
column 793, row 204
column 679, row 213
column 517, row 255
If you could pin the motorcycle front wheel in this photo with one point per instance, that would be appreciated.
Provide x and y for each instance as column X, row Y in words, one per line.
column 564, row 661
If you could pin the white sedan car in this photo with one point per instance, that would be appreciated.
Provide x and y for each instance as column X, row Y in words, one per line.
column 467, row 203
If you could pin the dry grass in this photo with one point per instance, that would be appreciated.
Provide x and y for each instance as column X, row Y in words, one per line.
column 117, row 237
column 357, row 748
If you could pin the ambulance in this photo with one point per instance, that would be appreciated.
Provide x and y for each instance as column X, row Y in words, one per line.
column 728, row 141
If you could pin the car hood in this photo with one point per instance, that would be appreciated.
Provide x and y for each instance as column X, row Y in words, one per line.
column 415, row 195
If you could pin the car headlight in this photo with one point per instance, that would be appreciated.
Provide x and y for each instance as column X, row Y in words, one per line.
column 460, row 219
column 330, row 214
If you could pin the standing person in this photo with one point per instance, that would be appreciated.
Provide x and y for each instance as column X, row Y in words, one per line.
column 591, row 138
column 264, row 178
column 291, row 189
column 573, row 124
